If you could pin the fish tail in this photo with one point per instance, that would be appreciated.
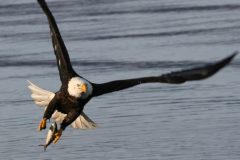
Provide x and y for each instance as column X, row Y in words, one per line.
column 44, row 146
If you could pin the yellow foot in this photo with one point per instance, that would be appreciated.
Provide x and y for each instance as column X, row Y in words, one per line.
column 57, row 136
column 42, row 124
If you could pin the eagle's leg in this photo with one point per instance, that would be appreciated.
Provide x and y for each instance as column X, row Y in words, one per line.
column 42, row 124
column 57, row 136
column 71, row 116
column 50, row 109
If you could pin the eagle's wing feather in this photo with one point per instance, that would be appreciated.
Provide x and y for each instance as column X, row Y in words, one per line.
column 63, row 61
column 177, row 77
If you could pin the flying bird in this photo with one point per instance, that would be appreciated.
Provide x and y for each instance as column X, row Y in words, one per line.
column 66, row 105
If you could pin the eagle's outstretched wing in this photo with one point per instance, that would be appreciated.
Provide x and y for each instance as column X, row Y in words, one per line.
column 63, row 61
column 178, row 77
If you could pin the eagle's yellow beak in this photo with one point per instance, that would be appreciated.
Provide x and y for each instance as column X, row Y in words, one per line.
column 84, row 88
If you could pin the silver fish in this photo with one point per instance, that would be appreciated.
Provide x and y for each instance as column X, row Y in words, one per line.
column 50, row 135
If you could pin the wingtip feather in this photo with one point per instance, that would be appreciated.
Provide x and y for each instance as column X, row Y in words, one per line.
column 227, row 60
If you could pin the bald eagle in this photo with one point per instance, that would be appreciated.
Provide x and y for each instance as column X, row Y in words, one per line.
column 66, row 105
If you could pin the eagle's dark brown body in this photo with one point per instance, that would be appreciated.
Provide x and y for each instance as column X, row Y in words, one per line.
column 66, row 104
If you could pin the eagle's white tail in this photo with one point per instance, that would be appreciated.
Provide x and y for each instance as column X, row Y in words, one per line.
column 42, row 98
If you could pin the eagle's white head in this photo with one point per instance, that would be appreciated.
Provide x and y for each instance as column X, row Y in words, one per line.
column 79, row 88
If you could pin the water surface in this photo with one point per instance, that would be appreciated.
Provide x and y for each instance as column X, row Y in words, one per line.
column 110, row 40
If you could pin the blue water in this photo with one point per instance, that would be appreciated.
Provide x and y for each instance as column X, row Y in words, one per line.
column 110, row 40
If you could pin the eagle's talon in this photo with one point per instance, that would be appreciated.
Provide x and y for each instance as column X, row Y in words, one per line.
column 42, row 124
column 57, row 136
